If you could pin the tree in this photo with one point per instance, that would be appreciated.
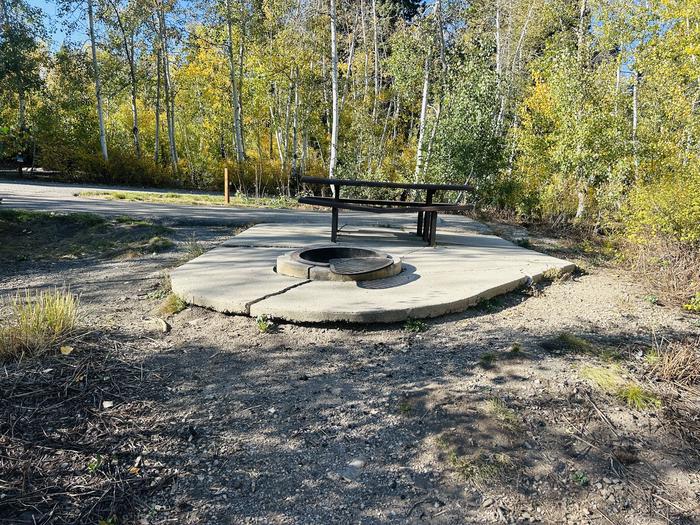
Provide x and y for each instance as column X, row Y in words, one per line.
column 20, row 60
column 98, row 84
column 334, row 81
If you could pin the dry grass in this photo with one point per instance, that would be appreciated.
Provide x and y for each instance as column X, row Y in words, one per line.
column 677, row 361
column 670, row 269
column 171, row 305
column 193, row 249
column 506, row 417
column 37, row 322
column 481, row 469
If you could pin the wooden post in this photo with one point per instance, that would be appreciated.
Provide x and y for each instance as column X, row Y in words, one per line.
column 227, row 198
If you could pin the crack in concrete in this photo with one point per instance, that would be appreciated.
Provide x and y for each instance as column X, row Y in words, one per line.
column 273, row 294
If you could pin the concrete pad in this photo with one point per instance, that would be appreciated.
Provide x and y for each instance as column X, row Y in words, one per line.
column 435, row 281
column 238, row 277
column 230, row 279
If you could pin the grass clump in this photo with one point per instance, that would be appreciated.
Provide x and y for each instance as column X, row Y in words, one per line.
column 172, row 305
column 482, row 468
column 405, row 408
column 486, row 359
column 611, row 381
column 415, row 325
column 553, row 274
column 193, row 248
column 573, row 344
column 38, row 322
column 163, row 289
column 491, row 305
column 676, row 361
column 608, row 379
column 505, row 416
column 158, row 244
column 651, row 299
column 636, row 396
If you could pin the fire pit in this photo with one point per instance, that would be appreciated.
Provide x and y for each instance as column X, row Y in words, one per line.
column 338, row 263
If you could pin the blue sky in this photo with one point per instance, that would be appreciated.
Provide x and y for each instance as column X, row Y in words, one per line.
column 54, row 26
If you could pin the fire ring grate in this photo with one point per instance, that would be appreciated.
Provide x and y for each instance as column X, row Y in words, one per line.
column 338, row 263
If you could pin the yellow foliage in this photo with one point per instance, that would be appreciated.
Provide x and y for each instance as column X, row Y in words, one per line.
column 668, row 207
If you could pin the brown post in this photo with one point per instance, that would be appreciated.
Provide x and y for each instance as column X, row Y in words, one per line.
column 227, row 198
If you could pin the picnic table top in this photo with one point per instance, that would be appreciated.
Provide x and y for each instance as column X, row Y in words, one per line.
column 382, row 184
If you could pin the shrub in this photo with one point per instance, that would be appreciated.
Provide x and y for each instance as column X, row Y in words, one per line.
column 37, row 323
column 667, row 208
column 670, row 269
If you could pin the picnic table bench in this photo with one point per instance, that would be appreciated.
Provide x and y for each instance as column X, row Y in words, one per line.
column 427, row 211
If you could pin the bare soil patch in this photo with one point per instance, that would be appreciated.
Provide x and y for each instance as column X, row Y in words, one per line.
column 482, row 417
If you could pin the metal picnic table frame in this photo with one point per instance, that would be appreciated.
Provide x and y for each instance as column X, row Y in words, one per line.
column 427, row 211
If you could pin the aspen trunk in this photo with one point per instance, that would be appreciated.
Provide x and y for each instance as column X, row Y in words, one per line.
column 237, row 133
column 134, row 108
column 364, row 45
column 423, row 112
column 376, row 59
column 98, row 85
column 167, row 87
column 128, row 52
column 156, row 148
column 334, row 87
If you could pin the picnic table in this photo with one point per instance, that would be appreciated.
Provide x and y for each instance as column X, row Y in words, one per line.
column 427, row 210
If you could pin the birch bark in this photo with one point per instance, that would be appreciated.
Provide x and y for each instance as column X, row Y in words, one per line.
column 98, row 85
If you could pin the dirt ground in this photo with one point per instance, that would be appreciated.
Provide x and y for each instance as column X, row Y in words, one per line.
column 482, row 417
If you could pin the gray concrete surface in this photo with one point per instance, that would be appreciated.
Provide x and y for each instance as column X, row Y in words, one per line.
column 238, row 277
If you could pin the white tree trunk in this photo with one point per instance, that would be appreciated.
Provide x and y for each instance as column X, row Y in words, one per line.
column 156, row 148
column 98, row 85
column 376, row 59
column 334, row 87
column 423, row 113
column 129, row 53
column 237, row 131
column 168, row 88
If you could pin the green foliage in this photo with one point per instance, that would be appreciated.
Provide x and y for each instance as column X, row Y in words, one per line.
column 580, row 478
column 611, row 380
column 669, row 207
column 193, row 248
column 651, row 299
column 415, row 325
column 693, row 305
column 36, row 322
column 635, row 396
column 264, row 323
column 570, row 343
